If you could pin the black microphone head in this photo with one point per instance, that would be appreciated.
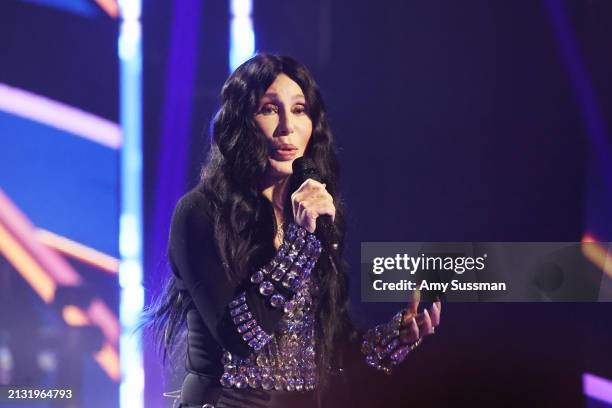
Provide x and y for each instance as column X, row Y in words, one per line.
column 305, row 168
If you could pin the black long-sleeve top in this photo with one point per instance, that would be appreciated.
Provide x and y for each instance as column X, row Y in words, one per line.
column 196, row 263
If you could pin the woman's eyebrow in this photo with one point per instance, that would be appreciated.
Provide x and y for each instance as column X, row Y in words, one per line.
column 270, row 95
column 274, row 95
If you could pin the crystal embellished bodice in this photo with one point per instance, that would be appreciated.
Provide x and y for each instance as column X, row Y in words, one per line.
column 287, row 361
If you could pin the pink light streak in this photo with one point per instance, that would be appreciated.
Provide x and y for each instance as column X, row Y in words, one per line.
column 598, row 388
column 78, row 251
column 100, row 314
column 23, row 230
column 60, row 116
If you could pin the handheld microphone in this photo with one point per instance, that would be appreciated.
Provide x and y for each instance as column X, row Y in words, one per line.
column 303, row 169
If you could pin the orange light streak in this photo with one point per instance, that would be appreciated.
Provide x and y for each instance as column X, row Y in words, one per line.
column 108, row 359
column 110, row 7
column 74, row 316
column 27, row 267
column 78, row 251
column 597, row 254
column 22, row 230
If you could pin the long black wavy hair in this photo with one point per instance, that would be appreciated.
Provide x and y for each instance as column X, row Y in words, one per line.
column 244, row 222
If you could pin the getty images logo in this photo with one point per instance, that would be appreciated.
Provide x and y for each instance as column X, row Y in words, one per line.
column 413, row 264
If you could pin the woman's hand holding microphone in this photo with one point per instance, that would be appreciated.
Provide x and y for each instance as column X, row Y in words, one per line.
column 310, row 201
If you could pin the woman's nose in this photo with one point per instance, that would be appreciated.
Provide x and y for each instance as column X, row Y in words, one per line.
column 285, row 125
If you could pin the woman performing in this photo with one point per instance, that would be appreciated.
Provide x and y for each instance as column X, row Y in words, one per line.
column 261, row 287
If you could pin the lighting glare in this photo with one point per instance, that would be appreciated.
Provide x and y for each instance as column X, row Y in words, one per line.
column 129, row 237
column 129, row 40
column 132, row 305
column 131, row 389
column 241, row 8
column 242, row 36
column 130, row 9
column 130, row 274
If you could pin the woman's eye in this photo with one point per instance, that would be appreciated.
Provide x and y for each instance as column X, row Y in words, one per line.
column 299, row 109
column 268, row 109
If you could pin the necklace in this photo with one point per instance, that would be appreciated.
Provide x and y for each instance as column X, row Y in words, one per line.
column 279, row 235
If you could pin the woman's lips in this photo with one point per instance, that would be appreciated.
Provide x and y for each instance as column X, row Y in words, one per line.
column 284, row 152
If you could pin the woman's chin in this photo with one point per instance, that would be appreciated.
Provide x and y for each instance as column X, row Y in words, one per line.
column 280, row 169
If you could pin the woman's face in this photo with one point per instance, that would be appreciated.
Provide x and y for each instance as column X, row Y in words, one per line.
column 282, row 116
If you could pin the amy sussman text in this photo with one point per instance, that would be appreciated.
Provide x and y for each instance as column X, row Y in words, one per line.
column 454, row 285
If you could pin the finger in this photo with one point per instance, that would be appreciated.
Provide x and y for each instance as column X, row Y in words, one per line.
column 316, row 184
column 294, row 206
column 299, row 210
column 311, row 184
column 311, row 213
column 304, row 185
column 408, row 316
column 310, row 225
column 296, row 199
column 411, row 333
column 434, row 313
column 320, row 199
column 328, row 209
column 311, row 217
column 426, row 327
column 321, row 205
column 413, row 303
column 333, row 212
column 414, row 328
column 324, row 195
column 302, row 217
column 326, row 206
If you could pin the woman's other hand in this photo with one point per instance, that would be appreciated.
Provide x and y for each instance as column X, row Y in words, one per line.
column 309, row 202
column 417, row 326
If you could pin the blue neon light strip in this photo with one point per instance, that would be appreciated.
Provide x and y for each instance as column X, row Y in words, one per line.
column 242, row 36
column 584, row 92
column 81, row 7
column 131, row 391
